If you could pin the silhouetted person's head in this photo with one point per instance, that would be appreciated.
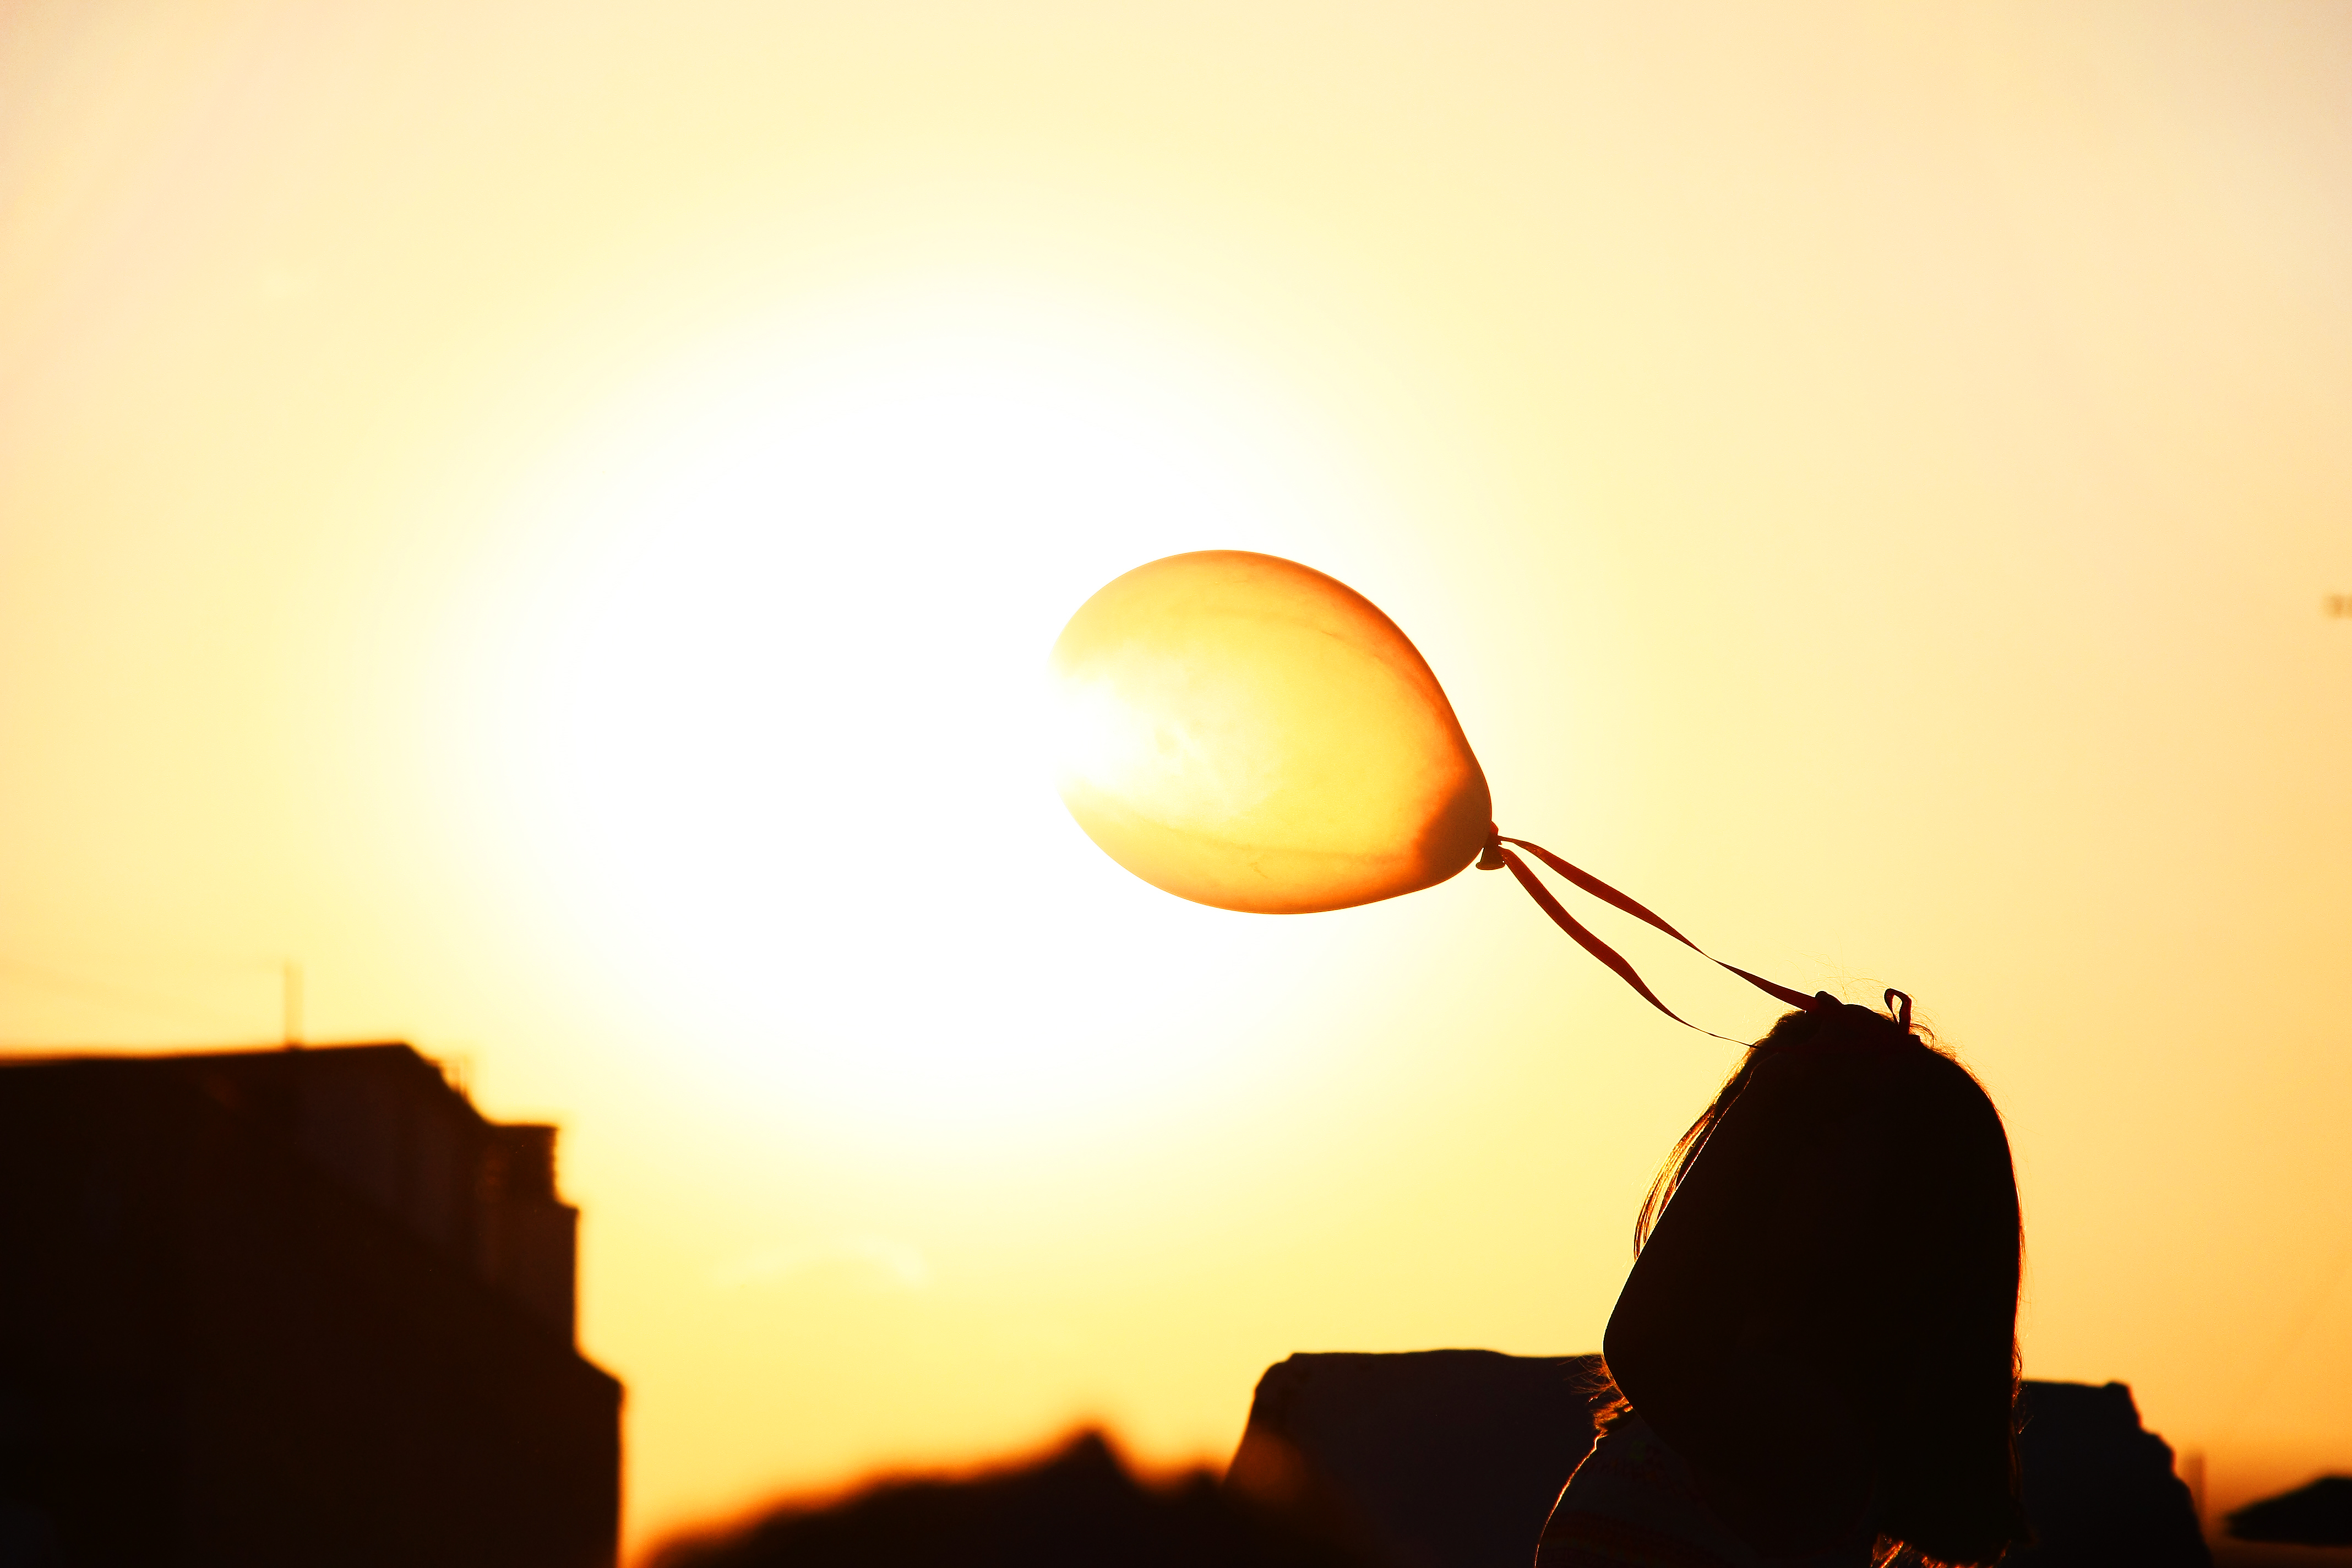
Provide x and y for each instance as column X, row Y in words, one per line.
column 1831, row 1258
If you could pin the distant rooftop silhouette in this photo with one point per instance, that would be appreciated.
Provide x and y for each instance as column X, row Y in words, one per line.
column 1077, row 1508
column 2318, row 1514
column 1451, row 1458
column 291, row 1306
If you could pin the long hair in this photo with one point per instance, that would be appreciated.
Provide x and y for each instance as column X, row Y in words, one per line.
column 1923, row 1281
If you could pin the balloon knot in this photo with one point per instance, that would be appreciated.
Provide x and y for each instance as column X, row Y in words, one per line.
column 1490, row 859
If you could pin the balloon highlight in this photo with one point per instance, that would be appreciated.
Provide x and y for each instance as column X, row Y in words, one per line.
column 1244, row 731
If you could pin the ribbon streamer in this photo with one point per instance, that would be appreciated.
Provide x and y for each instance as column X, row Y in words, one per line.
column 1496, row 858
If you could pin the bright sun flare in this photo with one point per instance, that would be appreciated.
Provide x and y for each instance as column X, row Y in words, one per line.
column 769, row 729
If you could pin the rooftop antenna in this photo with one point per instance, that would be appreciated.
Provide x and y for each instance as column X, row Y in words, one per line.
column 291, row 1004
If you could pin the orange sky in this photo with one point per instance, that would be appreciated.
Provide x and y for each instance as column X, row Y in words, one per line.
column 552, row 517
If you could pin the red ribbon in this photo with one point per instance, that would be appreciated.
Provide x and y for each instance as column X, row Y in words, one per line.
column 1496, row 858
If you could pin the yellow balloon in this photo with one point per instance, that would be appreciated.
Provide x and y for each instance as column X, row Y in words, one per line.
column 1244, row 731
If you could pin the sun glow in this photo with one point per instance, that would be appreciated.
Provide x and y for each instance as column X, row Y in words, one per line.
column 772, row 722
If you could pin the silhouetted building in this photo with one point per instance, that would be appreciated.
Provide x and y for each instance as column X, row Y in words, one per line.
column 301, row 1306
column 1452, row 1459
column 2318, row 1514
column 2098, row 1487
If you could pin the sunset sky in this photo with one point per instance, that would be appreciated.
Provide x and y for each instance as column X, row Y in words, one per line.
column 551, row 517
